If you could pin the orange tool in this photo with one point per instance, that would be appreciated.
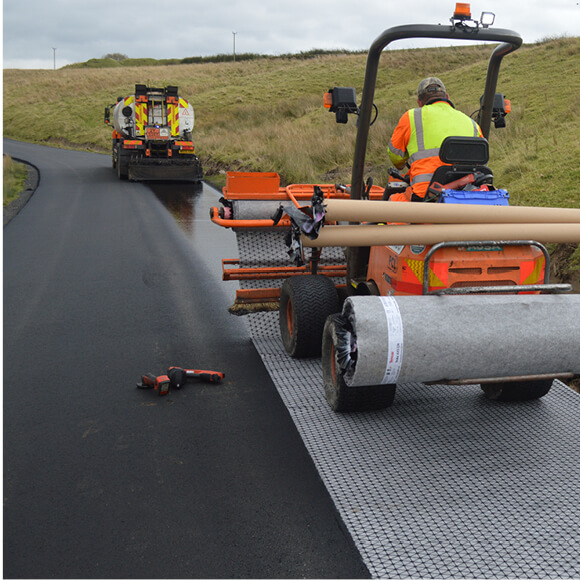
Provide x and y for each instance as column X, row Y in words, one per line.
column 178, row 376
column 160, row 383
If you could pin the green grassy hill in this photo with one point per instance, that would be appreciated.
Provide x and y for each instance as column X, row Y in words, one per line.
column 266, row 113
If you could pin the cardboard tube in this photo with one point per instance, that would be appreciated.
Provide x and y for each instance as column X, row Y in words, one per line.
column 383, row 235
column 356, row 210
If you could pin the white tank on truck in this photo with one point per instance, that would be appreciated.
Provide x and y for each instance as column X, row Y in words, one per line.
column 152, row 136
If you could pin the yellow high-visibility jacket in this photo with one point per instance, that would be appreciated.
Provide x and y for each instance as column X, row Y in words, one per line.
column 418, row 136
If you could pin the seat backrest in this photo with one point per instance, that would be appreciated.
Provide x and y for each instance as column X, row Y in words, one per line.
column 464, row 151
column 464, row 156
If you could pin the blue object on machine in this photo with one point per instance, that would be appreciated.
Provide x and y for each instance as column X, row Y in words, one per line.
column 475, row 197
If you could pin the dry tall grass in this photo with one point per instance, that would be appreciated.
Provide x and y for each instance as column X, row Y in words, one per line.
column 13, row 178
column 267, row 114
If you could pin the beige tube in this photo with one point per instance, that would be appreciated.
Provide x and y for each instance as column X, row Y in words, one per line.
column 381, row 235
column 357, row 210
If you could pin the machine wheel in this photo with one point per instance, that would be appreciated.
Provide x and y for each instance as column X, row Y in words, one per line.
column 340, row 397
column 368, row 288
column 517, row 390
column 122, row 165
column 305, row 303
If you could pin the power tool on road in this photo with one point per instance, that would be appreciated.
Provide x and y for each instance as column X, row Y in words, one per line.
column 178, row 376
column 160, row 383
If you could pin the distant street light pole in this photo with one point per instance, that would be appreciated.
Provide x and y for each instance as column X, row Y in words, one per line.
column 234, row 33
column 54, row 58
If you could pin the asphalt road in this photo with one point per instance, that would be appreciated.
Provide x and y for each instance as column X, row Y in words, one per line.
column 102, row 480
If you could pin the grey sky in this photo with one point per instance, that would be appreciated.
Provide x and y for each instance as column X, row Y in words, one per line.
column 84, row 29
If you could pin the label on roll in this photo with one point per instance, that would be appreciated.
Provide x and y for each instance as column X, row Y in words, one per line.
column 395, row 346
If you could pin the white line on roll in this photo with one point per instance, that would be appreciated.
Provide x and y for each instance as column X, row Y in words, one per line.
column 395, row 346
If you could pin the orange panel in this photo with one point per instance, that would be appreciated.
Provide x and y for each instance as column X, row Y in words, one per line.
column 252, row 182
column 399, row 269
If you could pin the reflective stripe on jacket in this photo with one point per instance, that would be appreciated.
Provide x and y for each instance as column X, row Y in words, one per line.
column 418, row 136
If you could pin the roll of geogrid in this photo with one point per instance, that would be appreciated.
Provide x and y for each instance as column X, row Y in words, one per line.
column 246, row 209
column 437, row 338
column 380, row 235
column 356, row 210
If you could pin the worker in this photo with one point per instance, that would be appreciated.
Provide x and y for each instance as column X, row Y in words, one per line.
column 420, row 132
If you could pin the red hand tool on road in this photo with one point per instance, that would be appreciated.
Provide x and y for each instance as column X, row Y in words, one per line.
column 179, row 376
column 160, row 383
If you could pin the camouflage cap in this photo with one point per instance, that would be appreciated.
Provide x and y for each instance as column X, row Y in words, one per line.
column 430, row 85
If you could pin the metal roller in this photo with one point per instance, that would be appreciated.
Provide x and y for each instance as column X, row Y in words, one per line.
column 443, row 338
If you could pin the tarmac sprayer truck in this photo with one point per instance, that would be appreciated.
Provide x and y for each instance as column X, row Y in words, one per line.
column 152, row 136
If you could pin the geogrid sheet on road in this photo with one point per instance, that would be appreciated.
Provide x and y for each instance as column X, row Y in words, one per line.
column 443, row 484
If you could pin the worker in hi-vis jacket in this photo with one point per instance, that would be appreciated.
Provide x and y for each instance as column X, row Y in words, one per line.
column 420, row 132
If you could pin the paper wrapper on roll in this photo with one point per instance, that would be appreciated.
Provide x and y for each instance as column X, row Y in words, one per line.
column 437, row 338
column 382, row 235
column 426, row 213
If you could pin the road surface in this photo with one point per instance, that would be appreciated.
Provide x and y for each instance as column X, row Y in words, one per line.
column 102, row 480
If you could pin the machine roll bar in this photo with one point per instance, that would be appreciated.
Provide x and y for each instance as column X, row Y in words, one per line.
column 509, row 42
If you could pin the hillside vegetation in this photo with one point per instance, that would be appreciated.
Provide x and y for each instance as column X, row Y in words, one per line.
column 266, row 114
column 13, row 179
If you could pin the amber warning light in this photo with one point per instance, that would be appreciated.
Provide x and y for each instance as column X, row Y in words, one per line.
column 342, row 101
column 327, row 100
column 462, row 11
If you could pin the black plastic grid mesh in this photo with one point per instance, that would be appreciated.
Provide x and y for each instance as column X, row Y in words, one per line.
column 266, row 248
column 444, row 484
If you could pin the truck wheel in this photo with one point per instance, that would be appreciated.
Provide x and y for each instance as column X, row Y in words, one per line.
column 305, row 303
column 340, row 397
column 517, row 390
column 122, row 165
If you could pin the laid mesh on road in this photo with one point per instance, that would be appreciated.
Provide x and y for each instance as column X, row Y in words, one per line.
column 443, row 484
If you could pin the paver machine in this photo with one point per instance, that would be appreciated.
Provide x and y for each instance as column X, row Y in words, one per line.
column 152, row 136
column 452, row 290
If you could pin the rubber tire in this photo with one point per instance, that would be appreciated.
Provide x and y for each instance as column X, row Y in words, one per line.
column 368, row 288
column 340, row 397
column 305, row 304
column 122, row 165
column 517, row 390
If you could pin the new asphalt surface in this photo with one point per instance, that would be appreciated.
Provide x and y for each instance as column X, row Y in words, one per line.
column 101, row 479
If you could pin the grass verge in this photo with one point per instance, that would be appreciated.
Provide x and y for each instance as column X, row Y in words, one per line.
column 14, row 178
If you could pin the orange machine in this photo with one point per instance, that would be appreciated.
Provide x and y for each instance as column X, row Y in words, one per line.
column 479, row 256
column 265, row 189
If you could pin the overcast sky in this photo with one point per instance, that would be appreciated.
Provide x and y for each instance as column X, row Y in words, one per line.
column 40, row 33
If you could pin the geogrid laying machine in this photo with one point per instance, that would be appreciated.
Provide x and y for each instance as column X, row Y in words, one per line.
column 453, row 290
column 152, row 136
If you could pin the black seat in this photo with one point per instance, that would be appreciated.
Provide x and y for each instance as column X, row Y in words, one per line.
column 463, row 157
